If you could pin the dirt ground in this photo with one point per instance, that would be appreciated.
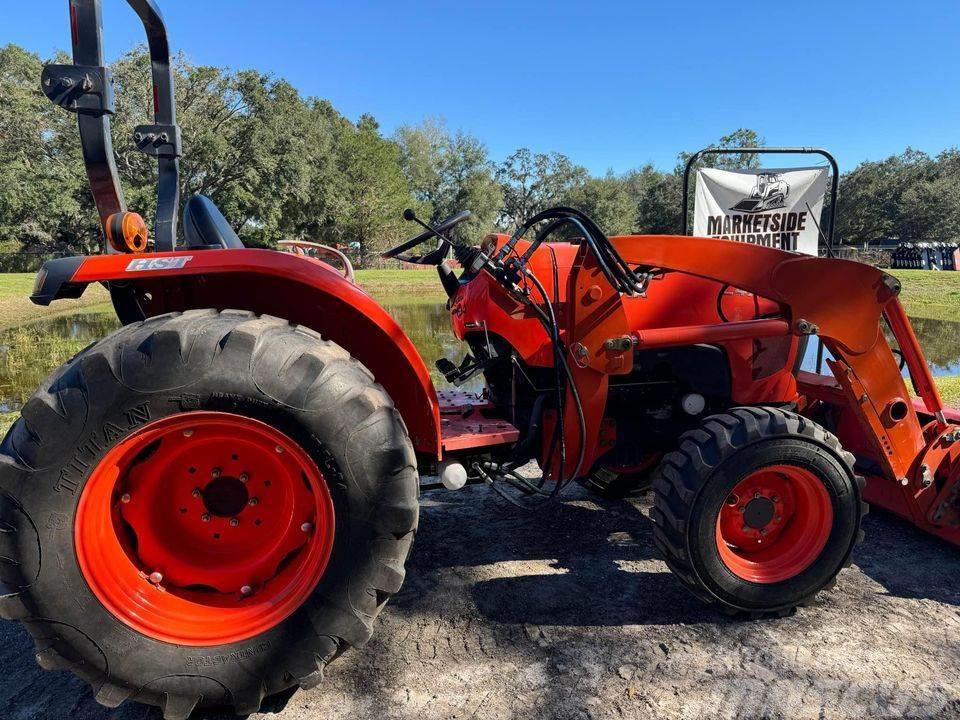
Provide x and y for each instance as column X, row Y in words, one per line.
column 569, row 614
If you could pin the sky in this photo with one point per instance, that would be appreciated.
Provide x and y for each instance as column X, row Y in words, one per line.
column 613, row 85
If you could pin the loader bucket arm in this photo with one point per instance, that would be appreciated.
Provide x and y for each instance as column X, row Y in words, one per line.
column 847, row 319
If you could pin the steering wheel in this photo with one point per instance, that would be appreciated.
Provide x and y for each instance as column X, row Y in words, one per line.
column 432, row 257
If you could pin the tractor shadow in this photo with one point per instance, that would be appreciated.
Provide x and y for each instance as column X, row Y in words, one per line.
column 590, row 561
column 586, row 561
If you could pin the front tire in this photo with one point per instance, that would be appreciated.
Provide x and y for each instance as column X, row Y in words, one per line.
column 296, row 450
column 758, row 510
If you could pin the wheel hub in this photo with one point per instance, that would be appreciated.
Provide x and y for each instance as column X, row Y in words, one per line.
column 759, row 512
column 225, row 496
column 774, row 524
column 203, row 526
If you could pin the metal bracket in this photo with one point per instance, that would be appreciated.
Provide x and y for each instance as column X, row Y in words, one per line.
column 82, row 89
column 159, row 140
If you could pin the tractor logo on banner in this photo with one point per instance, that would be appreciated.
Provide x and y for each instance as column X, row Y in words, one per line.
column 773, row 208
column 770, row 193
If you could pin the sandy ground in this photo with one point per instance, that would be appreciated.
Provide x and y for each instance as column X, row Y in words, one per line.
column 568, row 614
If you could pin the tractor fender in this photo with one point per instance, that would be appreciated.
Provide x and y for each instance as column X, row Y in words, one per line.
column 300, row 289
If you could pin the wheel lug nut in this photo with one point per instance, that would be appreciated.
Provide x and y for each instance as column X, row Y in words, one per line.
column 125, row 498
column 156, row 577
column 205, row 517
column 244, row 477
column 196, row 492
column 234, row 522
column 215, row 472
column 756, row 495
column 279, row 449
column 188, row 432
column 246, row 590
column 307, row 527
column 253, row 502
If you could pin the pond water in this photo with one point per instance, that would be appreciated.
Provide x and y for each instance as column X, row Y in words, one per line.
column 28, row 353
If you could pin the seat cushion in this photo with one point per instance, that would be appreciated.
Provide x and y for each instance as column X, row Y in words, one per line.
column 204, row 224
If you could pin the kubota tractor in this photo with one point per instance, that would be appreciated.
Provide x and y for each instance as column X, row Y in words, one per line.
column 211, row 504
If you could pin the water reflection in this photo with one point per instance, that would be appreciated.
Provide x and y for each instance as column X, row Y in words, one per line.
column 30, row 352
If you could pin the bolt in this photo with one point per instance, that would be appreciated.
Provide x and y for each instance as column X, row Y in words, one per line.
column 205, row 517
column 196, row 492
column 307, row 527
column 156, row 577
column 189, row 431
column 763, row 531
column 776, row 498
column 215, row 472
column 279, row 449
column 68, row 82
column 125, row 498
column 756, row 495
column 244, row 477
column 746, row 528
column 234, row 522
column 138, row 137
column 777, row 518
column 904, row 481
column 253, row 502
column 87, row 83
column 246, row 590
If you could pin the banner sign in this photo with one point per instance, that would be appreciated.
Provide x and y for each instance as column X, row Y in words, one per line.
column 774, row 208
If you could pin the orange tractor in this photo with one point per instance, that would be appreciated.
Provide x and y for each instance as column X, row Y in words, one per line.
column 211, row 504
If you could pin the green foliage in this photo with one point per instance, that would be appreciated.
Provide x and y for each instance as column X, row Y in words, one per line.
column 533, row 182
column 282, row 166
column 448, row 173
column 910, row 196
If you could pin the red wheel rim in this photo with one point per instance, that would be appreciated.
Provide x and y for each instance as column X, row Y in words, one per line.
column 774, row 524
column 204, row 528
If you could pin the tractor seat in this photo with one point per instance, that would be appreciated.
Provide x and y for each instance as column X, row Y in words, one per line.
column 205, row 226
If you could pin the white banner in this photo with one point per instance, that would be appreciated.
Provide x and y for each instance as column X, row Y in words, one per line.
column 775, row 208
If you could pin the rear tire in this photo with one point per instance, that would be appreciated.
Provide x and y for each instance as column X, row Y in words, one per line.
column 258, row 369
column 789, row 535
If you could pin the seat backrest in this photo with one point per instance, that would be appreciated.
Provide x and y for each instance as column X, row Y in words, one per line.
column 205, row 225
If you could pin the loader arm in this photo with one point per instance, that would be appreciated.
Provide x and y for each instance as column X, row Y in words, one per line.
column 847, row 317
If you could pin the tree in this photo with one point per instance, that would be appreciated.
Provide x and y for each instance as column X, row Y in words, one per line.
column 45, row 204
column 449, row 173
column 532, row 182
column 607, row 201
column 656, row 196
column 375, row 192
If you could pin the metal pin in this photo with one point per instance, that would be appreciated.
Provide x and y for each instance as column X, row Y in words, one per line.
column 307, row 527
column 156, row 577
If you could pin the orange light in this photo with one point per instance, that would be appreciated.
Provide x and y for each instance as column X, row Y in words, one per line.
column 126, row 232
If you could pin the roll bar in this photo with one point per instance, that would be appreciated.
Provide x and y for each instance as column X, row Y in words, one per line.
column 85, row 88
column 834, row 185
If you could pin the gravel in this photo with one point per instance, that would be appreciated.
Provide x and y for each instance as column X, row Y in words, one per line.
column 568, row 613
